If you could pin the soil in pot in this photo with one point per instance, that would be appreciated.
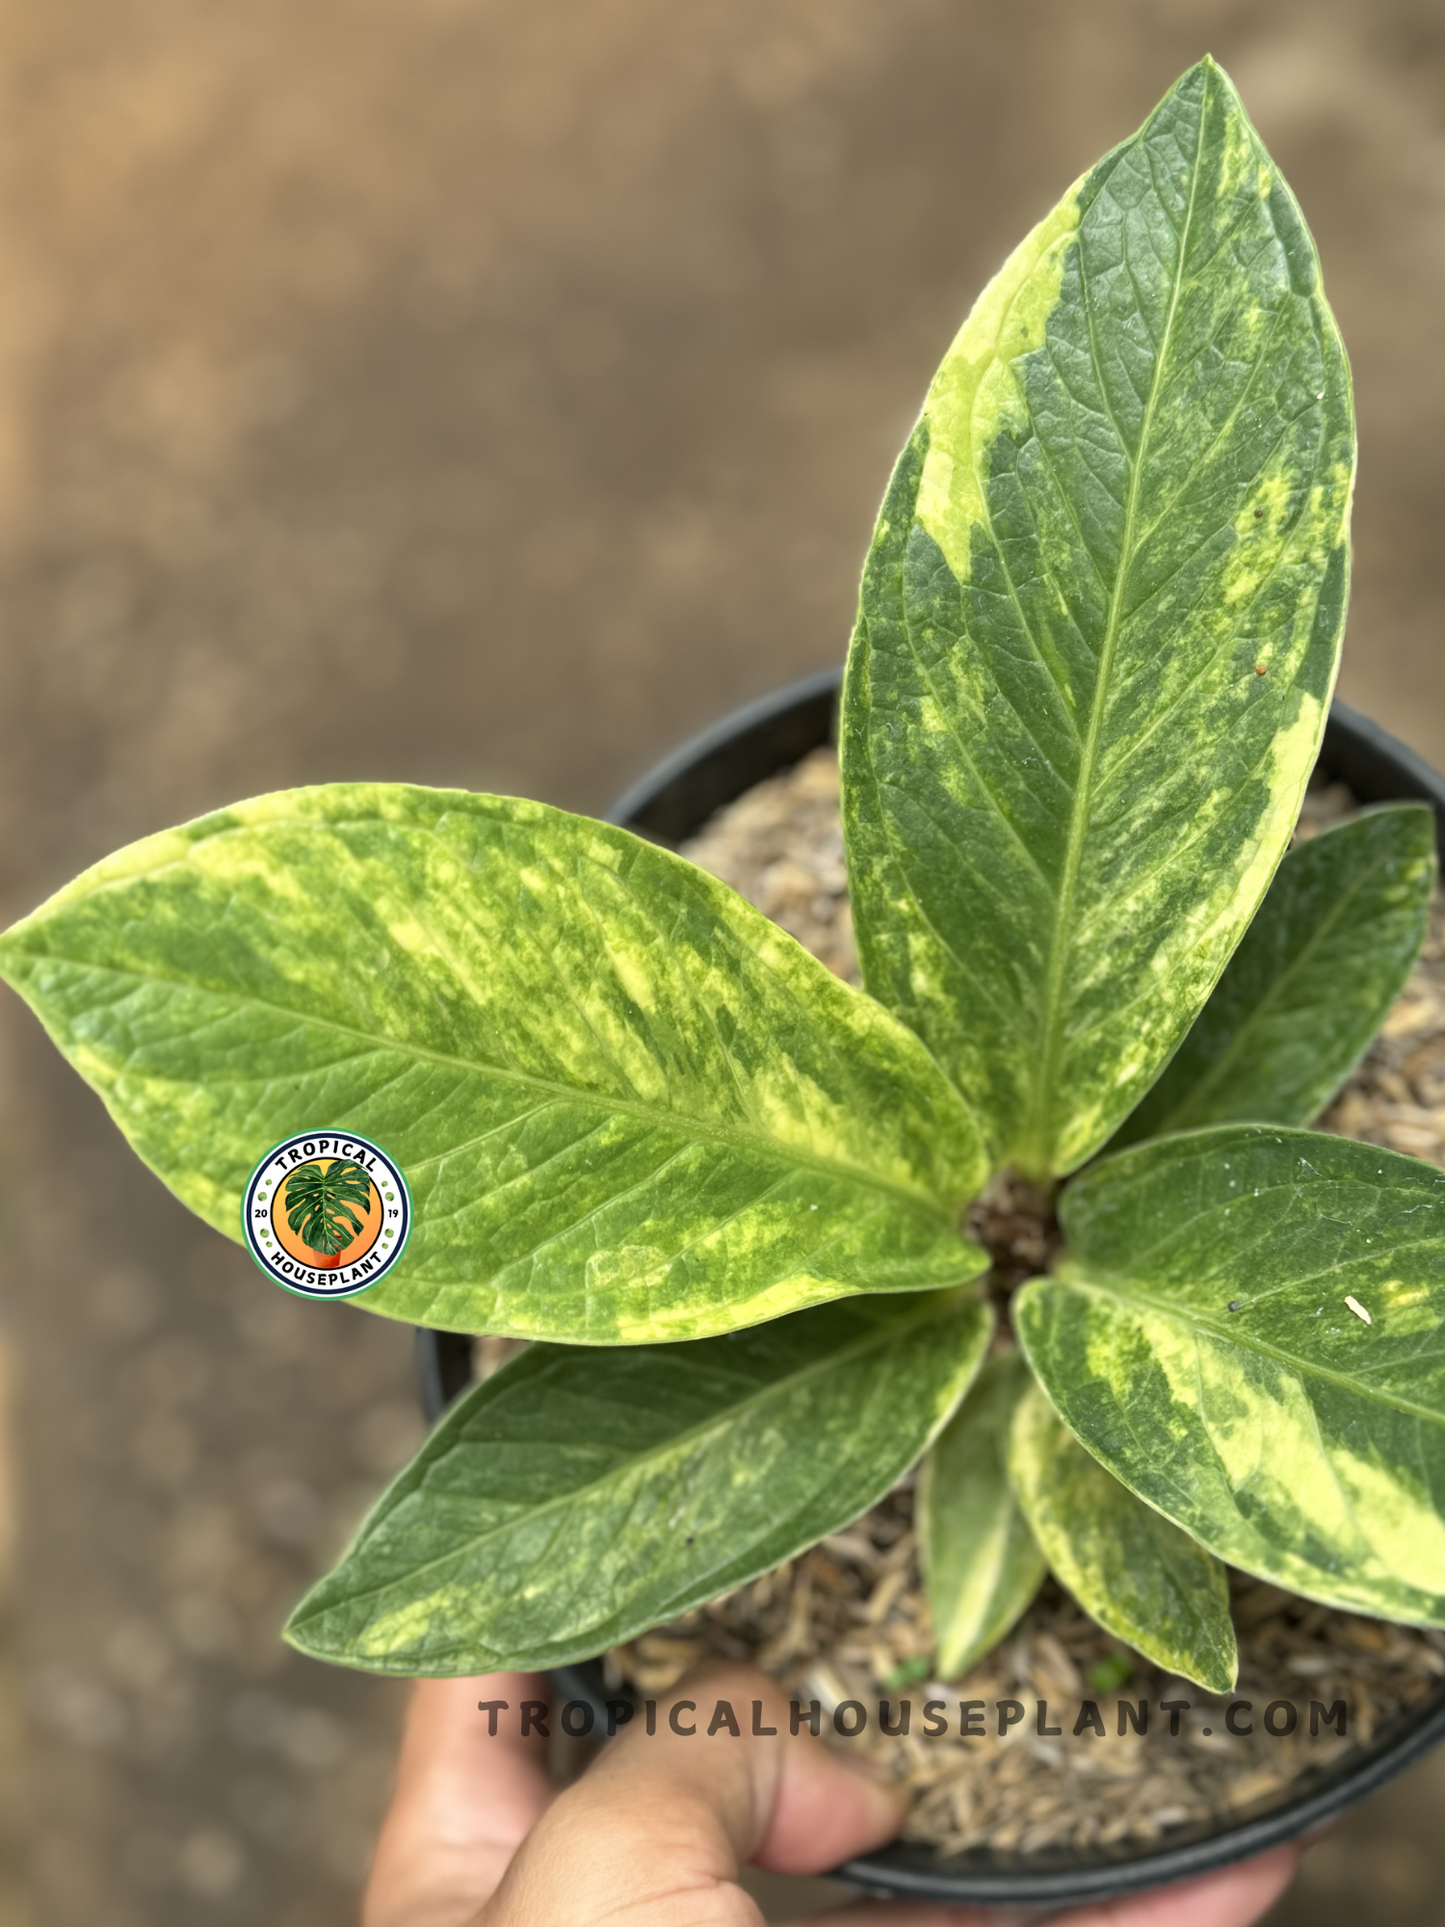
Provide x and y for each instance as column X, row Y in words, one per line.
column 848, row 1620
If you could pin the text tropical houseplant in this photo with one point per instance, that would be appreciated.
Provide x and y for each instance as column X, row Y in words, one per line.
column 1099, row 630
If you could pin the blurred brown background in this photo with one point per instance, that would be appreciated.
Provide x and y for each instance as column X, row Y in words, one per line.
column 490, row 392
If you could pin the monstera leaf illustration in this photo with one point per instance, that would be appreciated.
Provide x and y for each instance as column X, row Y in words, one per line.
column 319, row 1200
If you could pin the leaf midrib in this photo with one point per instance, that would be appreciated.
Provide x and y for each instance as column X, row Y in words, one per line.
column 1127, row 1292
column 653, row 1114
column 1037, row 1136
column 681, row 1441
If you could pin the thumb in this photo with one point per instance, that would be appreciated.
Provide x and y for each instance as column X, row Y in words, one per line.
column 464, row 1801
column 656, row 1831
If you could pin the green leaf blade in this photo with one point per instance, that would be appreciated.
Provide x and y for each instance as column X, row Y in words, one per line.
column 1065, row 787
column 629, row 1108
column 577, row 1498
column 1331, row 948
column 1289, row 1435
column 981, row 1561
column 318, row 1204
column 1143, row 1579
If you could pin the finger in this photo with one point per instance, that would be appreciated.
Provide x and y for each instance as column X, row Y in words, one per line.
column 465, row 1799
column 1232, row 1897
column 913, row 1913
column 656, row 1830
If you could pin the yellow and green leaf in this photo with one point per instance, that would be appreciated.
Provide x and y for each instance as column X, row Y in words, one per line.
column 629, row 1108
column 1248, row 1333
column 981, row 1561
column 578, row 1497
column 1143, row 1579
column 1099, row 629
column 1309, row 986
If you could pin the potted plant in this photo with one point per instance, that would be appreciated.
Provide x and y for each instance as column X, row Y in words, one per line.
column 725, row 1194
column 773, row 747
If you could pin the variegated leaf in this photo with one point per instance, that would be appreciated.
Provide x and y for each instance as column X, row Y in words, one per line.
column 579, row 1497
column 1143, row 1579
column 1248, row 1332
column 628, row 1107
column 1309, row 986
column 982, row 1563
column 1099, row 628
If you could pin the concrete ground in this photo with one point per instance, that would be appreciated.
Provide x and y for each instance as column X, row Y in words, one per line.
column 490, row 392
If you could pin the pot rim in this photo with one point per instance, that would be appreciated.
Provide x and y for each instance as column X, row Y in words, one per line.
column 673, row 801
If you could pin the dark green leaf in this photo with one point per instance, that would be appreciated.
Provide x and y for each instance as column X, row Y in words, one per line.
column 1309, row 986
column 1202, row 1341
column 318, row 1201
column 1066, row 787
column 579, row 1497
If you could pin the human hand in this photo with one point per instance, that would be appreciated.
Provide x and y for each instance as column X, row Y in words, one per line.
column 655, row 1831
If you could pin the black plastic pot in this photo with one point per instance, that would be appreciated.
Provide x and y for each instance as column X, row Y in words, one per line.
column 673, row 803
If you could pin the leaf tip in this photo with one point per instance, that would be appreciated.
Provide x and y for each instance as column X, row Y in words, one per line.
column 1223, row 1679
column 297, row 1637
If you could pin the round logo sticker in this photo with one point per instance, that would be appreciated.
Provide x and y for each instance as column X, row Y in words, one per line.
column 326, row 1214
